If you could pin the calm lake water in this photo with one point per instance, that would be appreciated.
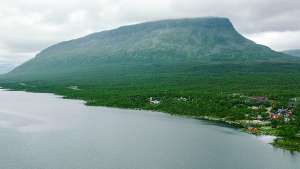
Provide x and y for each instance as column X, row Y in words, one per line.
column 43, row 131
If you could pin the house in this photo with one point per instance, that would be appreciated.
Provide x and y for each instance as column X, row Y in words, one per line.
column 252, row 129
column 73, row 87
column 259, row 100
column 293, row 103
column 182, row 99
column 259, row 117
column 275, row 116
column 154, row 101
column 284, row 113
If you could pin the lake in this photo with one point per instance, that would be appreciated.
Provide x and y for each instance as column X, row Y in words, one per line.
column 44, row 131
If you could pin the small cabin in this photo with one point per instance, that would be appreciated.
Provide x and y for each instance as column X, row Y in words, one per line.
column 183, row 99
column 259, row 99
column 154, row 101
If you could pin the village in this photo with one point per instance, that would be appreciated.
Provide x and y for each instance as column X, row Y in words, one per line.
column 261, row 104
column 268, row 113
column 264, row 113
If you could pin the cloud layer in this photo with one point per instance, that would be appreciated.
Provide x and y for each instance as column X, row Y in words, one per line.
column 28, row 26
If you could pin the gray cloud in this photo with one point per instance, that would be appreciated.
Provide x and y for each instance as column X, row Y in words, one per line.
column 29, row 26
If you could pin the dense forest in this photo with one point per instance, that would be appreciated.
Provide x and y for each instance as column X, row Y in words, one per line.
column 216, row 91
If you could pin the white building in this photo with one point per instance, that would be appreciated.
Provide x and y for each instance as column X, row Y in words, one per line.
column 153, row 101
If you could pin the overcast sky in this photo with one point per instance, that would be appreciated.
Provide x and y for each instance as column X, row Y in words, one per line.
column 28, row 26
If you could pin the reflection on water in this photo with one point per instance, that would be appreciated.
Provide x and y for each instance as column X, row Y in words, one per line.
column 18, row 120
column 266, row 139
column 45, row 131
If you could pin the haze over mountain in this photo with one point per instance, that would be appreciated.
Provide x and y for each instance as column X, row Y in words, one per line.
column 6, row 67
column 147, row 46
column 294, row 52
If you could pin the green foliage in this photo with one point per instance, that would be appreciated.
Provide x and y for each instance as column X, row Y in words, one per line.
column 288, row 131
column 292, row 144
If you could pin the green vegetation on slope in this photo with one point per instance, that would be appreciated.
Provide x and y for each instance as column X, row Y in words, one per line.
column 165, row 44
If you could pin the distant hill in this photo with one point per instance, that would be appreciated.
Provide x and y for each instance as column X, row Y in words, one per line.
column 159, row 46
column 295, row 52
column 6, row 67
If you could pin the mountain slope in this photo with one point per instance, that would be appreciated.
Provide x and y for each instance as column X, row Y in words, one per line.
column 144, row 47
column 295, row 52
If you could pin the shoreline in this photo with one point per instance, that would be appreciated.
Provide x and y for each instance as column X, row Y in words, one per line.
column 277, row 141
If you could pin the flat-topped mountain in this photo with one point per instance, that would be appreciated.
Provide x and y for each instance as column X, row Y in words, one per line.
column 210, row 40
